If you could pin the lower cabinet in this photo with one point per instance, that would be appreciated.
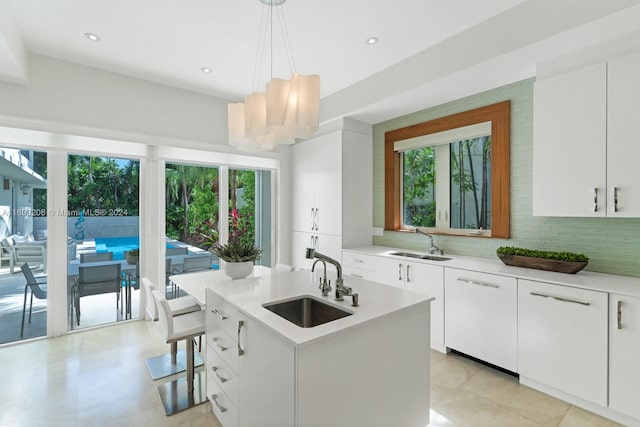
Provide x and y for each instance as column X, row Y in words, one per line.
column 413, row 276
column 481, row 316
column 624, row 353
column 562, row 339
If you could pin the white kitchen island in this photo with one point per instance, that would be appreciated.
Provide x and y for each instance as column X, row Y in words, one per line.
column 370, row 368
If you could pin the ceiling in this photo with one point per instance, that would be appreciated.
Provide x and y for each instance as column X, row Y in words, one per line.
column 429, row 51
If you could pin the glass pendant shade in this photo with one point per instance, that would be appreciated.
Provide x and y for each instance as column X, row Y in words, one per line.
column 303, row 105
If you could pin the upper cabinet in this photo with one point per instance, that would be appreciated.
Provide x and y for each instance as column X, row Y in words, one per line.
column 584, row 122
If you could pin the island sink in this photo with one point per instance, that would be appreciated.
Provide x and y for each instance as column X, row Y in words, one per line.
column 420, row 256
column 306, row 311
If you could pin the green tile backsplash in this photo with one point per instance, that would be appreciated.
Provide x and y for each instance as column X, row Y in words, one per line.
column 612, row 244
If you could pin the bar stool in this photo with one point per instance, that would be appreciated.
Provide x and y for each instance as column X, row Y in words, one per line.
column 189, row 390
column 173, row 362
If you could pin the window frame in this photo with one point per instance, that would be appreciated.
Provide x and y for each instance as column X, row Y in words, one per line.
column 499, row 115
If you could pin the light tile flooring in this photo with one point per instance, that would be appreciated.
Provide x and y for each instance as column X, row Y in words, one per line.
column 98, row 378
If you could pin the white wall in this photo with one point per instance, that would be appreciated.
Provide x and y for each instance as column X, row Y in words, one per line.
column 78, row 100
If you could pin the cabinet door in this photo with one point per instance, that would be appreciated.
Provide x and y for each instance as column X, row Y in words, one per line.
column 266, row 378
column 623, row 128
column 303, row 187
column 390, row 271
column 429, row 279
column 299, row 243
column 327, row 156
column 562, row 338
column 481, row 316
column 624, row 353
column 569, row 144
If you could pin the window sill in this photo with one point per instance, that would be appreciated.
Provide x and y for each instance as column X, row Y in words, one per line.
column 461, row 233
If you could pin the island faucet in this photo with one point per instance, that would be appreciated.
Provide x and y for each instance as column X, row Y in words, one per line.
column 325, row 286
column 432, row 248
column 341, row 290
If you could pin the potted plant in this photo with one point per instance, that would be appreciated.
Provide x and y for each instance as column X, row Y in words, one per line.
column 562, row 262
column 132, row 256
column 239, row 253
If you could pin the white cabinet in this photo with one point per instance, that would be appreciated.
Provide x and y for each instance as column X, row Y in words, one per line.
column 624, row 353
column 585, row 125
column 623, row 127
column 562, row 339
column 331, row 192
column 481, row 316
column 427, row 279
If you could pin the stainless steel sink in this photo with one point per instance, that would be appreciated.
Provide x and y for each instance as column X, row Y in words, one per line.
column 306, row 311
column 420, row 256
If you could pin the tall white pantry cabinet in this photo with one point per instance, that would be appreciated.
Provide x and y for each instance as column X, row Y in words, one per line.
column 331, row 193
column 585, row 146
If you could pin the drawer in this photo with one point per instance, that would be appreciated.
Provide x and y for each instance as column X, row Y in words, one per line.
column 223, row 408
column 221, row 314
column 225, row 346
column 226, row 378
column 358, row 261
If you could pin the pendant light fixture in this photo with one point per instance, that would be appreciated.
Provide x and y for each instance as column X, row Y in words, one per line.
column 285, row 110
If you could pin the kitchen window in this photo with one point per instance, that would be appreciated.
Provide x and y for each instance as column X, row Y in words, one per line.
column 450, row 175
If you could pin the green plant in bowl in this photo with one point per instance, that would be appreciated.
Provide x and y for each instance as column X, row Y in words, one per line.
column 559, row 261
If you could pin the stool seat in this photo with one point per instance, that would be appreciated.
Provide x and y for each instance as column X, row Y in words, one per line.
column 181, row 394
column 174, row 361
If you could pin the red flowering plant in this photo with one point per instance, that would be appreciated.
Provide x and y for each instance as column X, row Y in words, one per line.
column 241, row 246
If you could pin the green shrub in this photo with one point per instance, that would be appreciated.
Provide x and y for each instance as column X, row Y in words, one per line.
column 533, row 253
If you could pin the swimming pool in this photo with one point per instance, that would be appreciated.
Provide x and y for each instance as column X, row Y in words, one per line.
column 117, row 245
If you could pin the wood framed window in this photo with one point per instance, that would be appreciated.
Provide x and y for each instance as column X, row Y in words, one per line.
column 499, row 115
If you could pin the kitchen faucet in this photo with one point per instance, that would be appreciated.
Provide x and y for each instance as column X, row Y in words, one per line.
column 432, row 248
column 325, row 286
column 341, row 290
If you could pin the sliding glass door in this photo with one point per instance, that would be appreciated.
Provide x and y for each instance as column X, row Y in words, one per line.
column 23, row 244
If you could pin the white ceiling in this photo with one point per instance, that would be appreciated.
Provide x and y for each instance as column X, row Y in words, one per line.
column 430, row 51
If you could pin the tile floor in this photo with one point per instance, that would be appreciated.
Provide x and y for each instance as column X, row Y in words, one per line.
column 98, row 378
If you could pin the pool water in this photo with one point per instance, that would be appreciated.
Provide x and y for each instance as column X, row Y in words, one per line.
column 117, row 245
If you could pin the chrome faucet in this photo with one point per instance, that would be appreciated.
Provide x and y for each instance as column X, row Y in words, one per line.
column 325, row 286
column 432, row 248
column 341, row 289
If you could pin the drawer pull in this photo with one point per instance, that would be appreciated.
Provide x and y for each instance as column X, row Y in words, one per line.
column 356, row 275
column 357, row 261
column 219, row 314
column 214, row 397
column 215, row 370
column 619, row 314
column 240, row 326
column 216, row 342
column 615, row 199
column 563, row 299
column 595, row 199
column 477, row 282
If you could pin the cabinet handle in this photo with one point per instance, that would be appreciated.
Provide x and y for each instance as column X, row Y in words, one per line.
column 240, row 326
column 477, row 282
column 217, row 344
column 619, row 314
column 408, row 278
column 317, row 220
column 214, row 397
column 356, row 275
column 220, row 377
column 312, row 219
column 595, row 199
column 357, row 261
column 558, row 298
column 219, row 314
column 399, row 271
column 615, row 199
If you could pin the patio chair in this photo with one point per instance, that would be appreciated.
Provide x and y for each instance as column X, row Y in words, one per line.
column 96, row 257
column 191, row 264
column 39, row 292
column 133, row 281
column 95, row 280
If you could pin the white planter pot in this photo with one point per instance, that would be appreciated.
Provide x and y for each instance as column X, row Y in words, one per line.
column 238, row 270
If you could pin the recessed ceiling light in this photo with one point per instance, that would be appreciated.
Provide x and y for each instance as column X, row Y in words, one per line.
column 206, row 70
column 92, row 37
column 372, row 40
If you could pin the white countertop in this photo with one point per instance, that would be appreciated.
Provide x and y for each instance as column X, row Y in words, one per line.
column 248, row 295
column 623, row 285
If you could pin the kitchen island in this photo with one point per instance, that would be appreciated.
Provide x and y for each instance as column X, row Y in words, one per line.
column 368, row 368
